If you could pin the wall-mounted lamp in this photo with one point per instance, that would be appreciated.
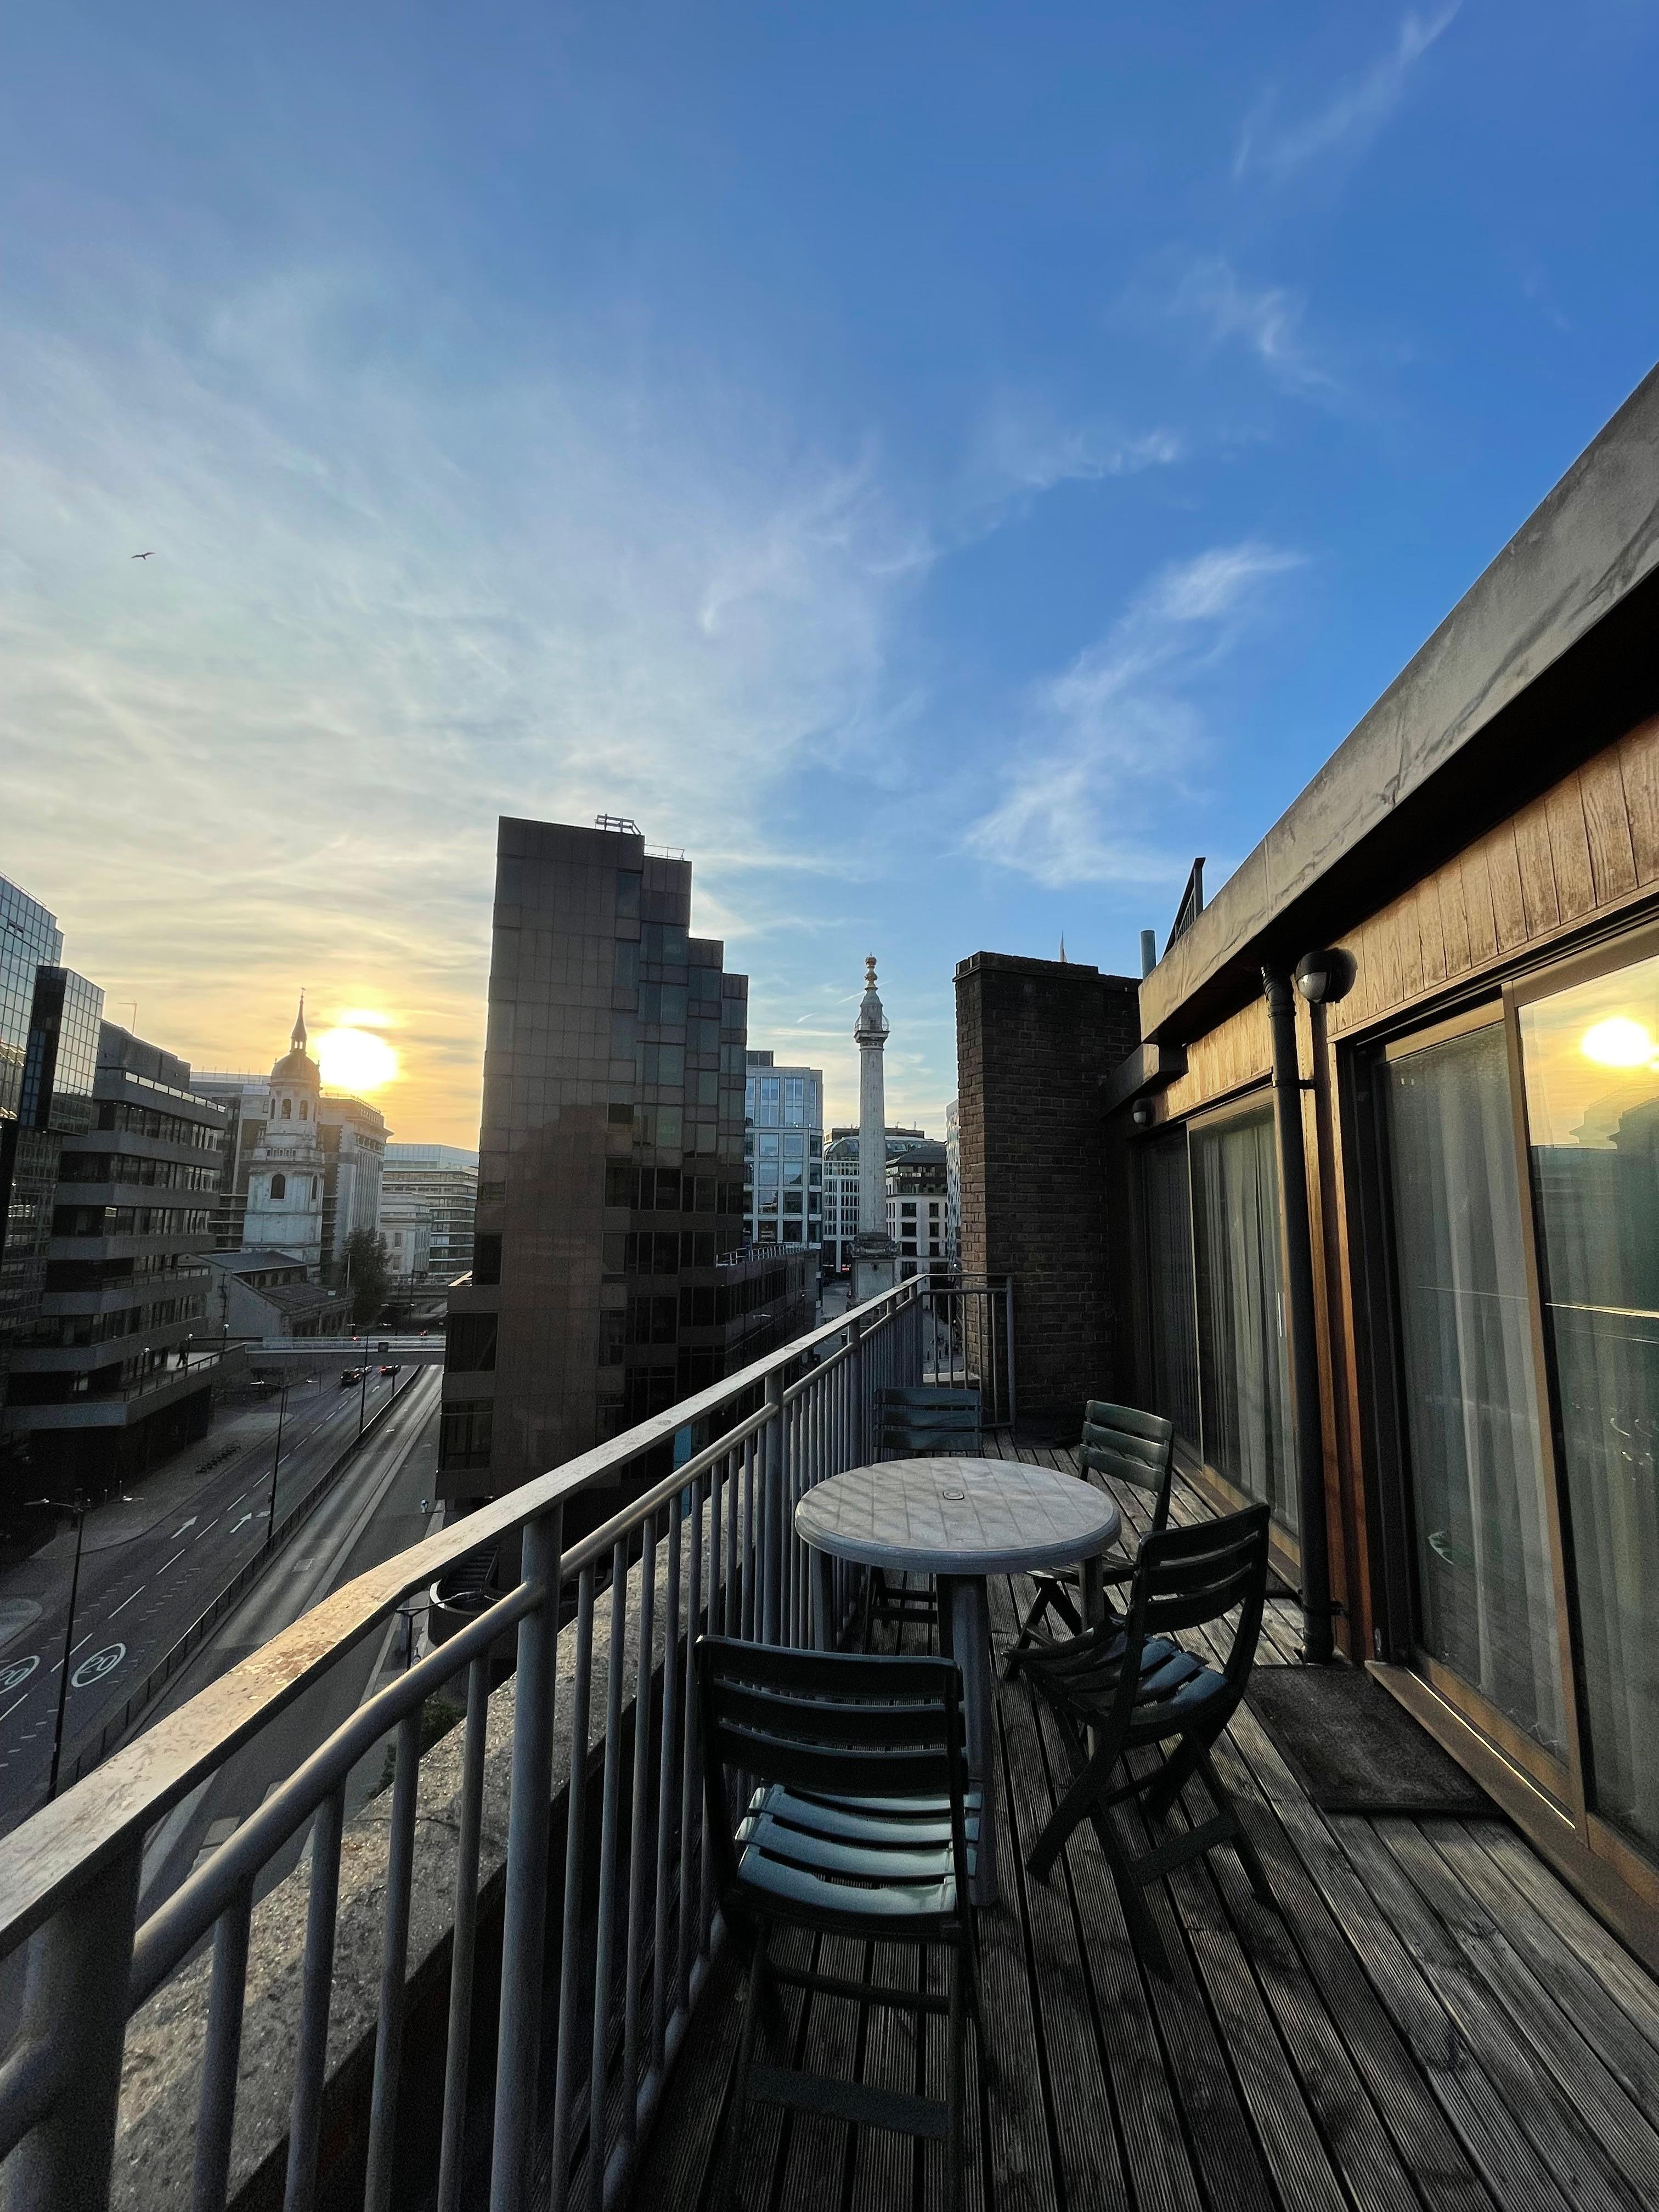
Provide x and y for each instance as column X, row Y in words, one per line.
column 1144, row 1113
column 1324, row 977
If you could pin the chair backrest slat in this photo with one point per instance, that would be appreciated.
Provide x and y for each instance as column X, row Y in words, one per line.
column 1123, row 1442
column 1187, row 1577
column 831, row 1724
column 923, row 1417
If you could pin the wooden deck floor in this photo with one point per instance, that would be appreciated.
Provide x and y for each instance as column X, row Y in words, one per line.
column 1434, row 2020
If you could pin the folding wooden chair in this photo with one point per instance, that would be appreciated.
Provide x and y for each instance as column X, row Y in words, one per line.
column 1136, row 1447
column 1122, row 1686
column 858, row 1820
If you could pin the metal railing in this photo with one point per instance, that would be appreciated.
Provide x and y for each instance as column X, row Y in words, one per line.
column 969, row 1339
column 711, row 1543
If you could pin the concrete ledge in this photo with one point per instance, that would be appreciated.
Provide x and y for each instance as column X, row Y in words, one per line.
column 156, row 2141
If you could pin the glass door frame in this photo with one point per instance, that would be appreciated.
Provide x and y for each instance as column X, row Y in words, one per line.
column 1560, row 1778
column 1626, row 949
column 1285, row 1546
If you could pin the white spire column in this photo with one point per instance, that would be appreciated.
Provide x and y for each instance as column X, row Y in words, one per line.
column 875, row 1254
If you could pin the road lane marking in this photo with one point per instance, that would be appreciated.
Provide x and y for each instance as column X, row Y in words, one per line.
column 126, row 1601
column 179, row 1554
column 242, row 1523
column 12, row 1708
column 183, row 1525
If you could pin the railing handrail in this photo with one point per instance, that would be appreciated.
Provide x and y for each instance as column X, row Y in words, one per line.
column 64, row 1845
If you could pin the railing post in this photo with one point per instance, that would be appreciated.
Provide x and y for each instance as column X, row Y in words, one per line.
column 776, row 1463
column 77, row 1992
column 857, row 1446
column 525, row 1931
column 1008, row 1327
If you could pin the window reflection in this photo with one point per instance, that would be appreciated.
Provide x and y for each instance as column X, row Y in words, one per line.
column 1593, row 1122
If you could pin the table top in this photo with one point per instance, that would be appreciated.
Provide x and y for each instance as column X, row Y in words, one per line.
column 960, row 1516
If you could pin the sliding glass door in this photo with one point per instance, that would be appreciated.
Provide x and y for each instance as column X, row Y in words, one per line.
column 1590, row 1057
column 1167, row 1221
column 1244, row 1374
column 1486, row 1587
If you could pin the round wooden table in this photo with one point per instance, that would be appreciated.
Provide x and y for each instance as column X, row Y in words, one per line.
column 959, row 1520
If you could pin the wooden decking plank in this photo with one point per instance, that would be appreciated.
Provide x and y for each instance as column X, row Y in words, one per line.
column 1022, row 2157
column 1429, row 2148
column 884, row 2164
column 678, row 2159
column 1135, row 2088
column 1359, row 2142
column 1090, row 2168
column 935, row 2193
column 1615, row 1970
column 1223, row 2144
column 1505, row 2058
column 820, row 2148
column 1611, row 2033
column 1623, row 2135
column 1302, row 2177
column 1508, row 2164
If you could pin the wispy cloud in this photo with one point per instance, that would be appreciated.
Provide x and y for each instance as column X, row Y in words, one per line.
column 1267, row 320
column 1350, row 119
column 1119, row 728
column 1024, row 445
column 387, row 603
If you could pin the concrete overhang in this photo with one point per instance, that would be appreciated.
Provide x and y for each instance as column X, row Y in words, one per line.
column 1148, row 1067
column 1550, row 656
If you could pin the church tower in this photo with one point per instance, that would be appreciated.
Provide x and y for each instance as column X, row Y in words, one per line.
column 285, row 1174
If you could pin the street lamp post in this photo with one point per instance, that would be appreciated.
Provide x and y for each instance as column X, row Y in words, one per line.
column 79, row 1510
column 270, row 1517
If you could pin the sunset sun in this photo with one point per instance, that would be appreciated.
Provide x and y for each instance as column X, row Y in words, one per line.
column 356, row 1059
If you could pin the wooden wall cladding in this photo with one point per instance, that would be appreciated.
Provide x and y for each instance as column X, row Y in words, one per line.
column 1236, row 1051
column 1587, row 847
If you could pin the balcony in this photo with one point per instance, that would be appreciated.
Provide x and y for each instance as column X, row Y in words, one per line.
column 505, row 1982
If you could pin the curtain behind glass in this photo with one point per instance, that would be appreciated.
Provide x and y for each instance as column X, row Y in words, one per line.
column 1167, row 1206
column 1243, row 1377
column 1591, row 1059
column 1486, row 1585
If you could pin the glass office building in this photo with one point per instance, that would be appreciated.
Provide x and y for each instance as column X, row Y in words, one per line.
column 783, row 1153
column 49, row 1018
column 610, row 1274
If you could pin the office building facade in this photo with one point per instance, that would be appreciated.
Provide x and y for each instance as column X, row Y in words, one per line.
column 917, row 1207
column 115, row 1369
column 442, row 1180
column 49, row 1018
column 841, row 1190
column 783, row 1153
column 608, row 1273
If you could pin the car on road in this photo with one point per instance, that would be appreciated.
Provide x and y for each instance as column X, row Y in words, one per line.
column 349, row 1377
column 391, row 1370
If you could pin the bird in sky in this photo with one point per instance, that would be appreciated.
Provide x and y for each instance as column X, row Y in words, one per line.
column 143, row 557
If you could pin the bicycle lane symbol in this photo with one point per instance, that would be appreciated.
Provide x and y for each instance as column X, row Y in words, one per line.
column 14, row 1677
column 97, row 1665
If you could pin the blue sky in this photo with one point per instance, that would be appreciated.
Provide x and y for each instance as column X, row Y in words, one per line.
column 942, row 467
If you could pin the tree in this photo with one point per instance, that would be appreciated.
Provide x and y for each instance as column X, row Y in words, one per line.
column 365, row 1273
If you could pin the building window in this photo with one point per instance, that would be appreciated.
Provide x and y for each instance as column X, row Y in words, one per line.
column 1167, row 1211
column 278, row 1187
column 1242, row 1357
column 469, row 1344
column 287, row 1111
column 305, row 1110
column 464, row 1437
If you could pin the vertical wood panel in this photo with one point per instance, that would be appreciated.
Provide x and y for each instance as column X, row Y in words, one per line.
column 1509, row 910
column 1477, row 904
column 1410, row 947
column 1606, row 825
column 1541, row 910
column 1454, row 920
column 1569, row 854
column 1431, row 932
column 1639, row 768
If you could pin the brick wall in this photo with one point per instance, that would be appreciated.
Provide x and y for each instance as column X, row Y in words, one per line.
column 1034, row 1038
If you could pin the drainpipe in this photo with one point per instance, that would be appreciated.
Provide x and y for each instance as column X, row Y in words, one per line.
column 1316, row 1640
